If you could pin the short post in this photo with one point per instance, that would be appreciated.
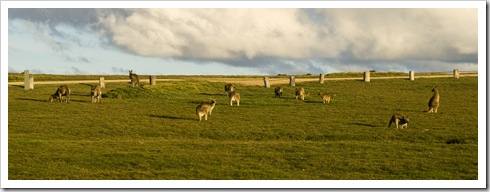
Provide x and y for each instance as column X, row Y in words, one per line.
column 266, row 82
column 367, row 76
column 31, row 82
column 456, row 73
column 411, row 75
column 153, row 80
column 292, row 81
column 27, row 81
column 322, row 78
column 101, row 82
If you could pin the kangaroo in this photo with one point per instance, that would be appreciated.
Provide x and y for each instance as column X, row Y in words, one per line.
column 434, row 101
column 300, row 92
column 96, row 93
column 234, row 96
column 278, row 91
column 135, row 80
column 63, row 90
column 229, row 88
column 325, row 97
column 205, row 109
column 399, row 120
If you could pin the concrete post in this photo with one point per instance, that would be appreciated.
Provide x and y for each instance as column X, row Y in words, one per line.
column 411, row 75
column 292, row 81
column 367, row 76
column 102, row 82
column 153, row 80
column 27, row 81
column 266, row 82
column 322, row 78
column 456, row 73
column 31, row 82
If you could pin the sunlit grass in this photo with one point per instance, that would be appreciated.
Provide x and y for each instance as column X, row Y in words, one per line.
column 155, row 134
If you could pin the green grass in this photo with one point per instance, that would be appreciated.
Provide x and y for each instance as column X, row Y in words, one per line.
column 153, row 133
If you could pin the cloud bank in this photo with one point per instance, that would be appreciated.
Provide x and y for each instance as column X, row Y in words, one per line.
column 279, row 40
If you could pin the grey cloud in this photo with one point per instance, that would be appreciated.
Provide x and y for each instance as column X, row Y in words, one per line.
column 75, row 70
column 12, row 70
column 119, row 70
column 272, row 40
column 75, row 59
column 37, row 71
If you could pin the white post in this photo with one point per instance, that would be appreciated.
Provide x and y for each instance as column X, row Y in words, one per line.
column 31, row 82
column 292, row 81
column 411, row 75
column 456, row 73
column 322, row 78
column 153, row 80
column 101, row 82
column 367, row 76
column 266, row 82
column 27, row 81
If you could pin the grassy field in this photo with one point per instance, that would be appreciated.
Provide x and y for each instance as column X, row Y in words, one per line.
column 152, row 133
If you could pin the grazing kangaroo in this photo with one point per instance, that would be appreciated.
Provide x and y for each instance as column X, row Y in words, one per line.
column 229, row 88
column 399, row 120
column 434, row 101
column 63, row 90
column 325, row 97
column 234, row 96
column 96, row 93
column 135, row 80
column 205, row 109
column 278, row 91
column 300, row 92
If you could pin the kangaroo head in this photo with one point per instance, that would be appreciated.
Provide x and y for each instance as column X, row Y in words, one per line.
column 434, row 89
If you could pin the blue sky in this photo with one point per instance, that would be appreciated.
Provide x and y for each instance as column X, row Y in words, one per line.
column 204, row 41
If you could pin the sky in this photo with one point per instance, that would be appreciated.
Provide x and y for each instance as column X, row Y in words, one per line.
column 241, row 41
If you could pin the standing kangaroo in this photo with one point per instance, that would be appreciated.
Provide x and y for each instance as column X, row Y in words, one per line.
column 278, row 91
column 229, row 88
column 434, row 101
column 300, row 92
column 234, row 96
column 63, row 90
column 96, row 93
column 205, row 109
column 135, row 80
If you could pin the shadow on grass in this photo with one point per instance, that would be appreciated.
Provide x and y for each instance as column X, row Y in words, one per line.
column 172, row 117
column 81, row 94
column 54, row 101
column 364, row 125
column 309, row 101
column 21, row 86
column 212, row 94
column 29, row 99
column 87, row 84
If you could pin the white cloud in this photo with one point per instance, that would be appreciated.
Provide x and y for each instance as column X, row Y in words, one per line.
column 261, row 40
column 213, row 33
column 393, row 34
column 367, row 34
